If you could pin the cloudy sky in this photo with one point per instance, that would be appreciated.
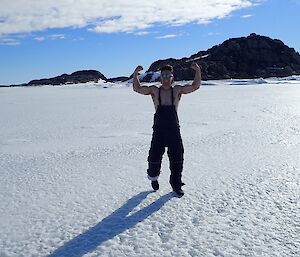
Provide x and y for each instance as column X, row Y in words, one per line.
column 45, row 38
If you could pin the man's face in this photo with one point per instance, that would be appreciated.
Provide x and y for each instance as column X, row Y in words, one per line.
column 166, row 78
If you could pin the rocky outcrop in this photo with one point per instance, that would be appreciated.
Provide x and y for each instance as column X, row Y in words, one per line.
column 254, row 56
column 74, row 78
column 118, row 79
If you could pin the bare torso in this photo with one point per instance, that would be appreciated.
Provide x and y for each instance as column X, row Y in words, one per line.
column 166, row 96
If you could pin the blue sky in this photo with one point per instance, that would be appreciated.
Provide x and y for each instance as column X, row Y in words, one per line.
column 47, row 38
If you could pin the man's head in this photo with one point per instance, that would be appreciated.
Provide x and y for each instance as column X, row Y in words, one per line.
column 166, row 76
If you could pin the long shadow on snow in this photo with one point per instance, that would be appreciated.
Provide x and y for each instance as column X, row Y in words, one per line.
column 110, row 226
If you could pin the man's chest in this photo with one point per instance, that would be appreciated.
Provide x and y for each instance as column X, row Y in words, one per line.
column 166, row 98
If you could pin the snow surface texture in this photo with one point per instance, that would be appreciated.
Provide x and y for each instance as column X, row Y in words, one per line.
column 73, row 163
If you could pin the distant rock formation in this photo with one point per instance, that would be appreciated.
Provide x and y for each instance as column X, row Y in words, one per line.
column 118, row 79
column 254, row 56
column 74, row 78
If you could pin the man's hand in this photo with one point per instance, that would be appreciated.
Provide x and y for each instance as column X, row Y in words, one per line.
column 144, row 90
column 138, row 69
column 195, row 66
column 189, row 88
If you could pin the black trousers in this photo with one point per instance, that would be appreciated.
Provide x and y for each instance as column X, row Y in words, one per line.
column 170, row 138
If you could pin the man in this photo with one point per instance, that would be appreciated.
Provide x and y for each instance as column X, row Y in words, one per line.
column 166, row 129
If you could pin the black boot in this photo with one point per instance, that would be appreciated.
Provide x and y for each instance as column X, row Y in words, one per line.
column 179, row 192
column 155, row 185
column 177, row 188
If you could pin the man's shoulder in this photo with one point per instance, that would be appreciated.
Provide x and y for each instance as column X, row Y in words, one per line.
column 154, row 87
column 177, row 88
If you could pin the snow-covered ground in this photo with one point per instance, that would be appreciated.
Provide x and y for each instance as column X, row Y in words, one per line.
column 73, row 163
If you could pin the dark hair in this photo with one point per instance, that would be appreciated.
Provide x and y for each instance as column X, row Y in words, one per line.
column 167, row 67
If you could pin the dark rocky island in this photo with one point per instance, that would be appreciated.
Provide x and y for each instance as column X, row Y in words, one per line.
column 254, row 56
column 74, row 78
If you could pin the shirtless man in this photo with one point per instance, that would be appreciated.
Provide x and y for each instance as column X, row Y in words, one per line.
column 166, row 129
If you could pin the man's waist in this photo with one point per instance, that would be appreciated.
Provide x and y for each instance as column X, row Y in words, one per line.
column 166, row 124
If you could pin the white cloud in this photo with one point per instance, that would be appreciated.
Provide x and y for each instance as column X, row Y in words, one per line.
column 167, row 36
column 25, row 16
column 52, row 37
column 214, row 33
column 142, row 33
column 57, row 36
column 9, row 41
column 39, row 38
column 247, row 16
column 79, row 39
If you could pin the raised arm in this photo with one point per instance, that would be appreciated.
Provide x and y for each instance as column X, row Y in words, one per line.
column 189, row 88
column 137, row 85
